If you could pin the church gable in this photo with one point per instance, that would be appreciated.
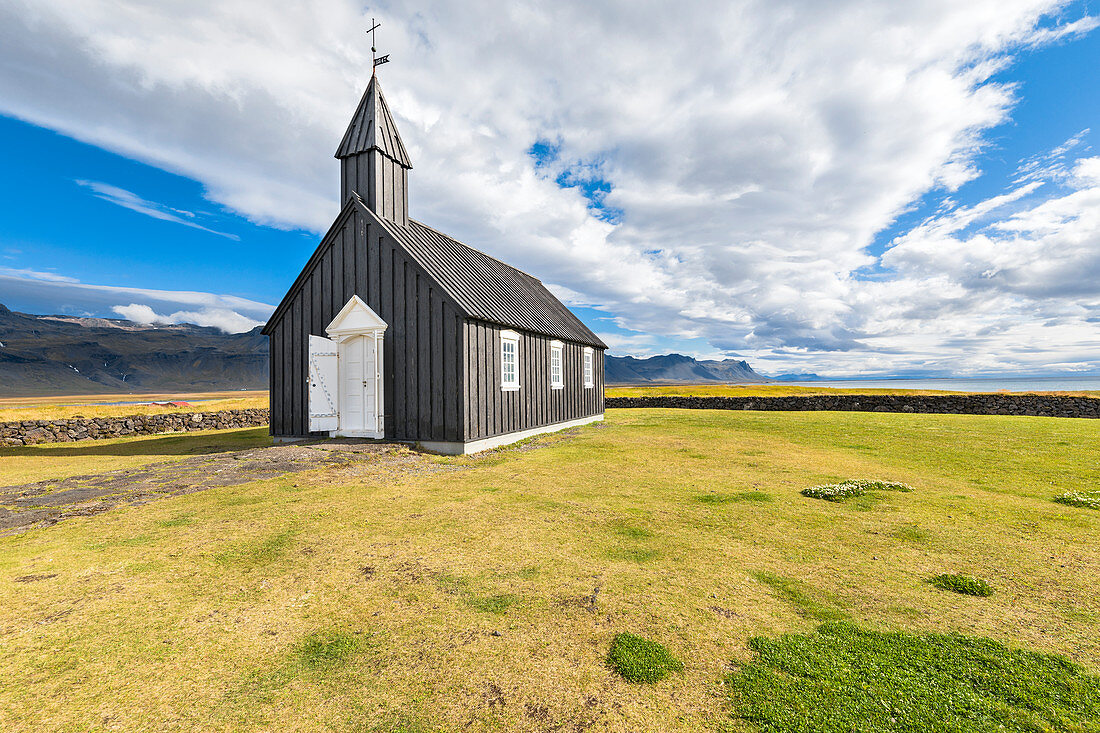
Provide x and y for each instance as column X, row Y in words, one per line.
column 355, row 317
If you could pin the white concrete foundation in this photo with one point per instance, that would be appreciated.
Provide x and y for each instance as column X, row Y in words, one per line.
column 457, row 448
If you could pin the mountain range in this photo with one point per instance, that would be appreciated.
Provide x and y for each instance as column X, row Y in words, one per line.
column 677, row 368
column 58, row 355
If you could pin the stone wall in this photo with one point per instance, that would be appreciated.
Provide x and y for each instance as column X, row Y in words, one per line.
column 29, row 432
column 970, row 404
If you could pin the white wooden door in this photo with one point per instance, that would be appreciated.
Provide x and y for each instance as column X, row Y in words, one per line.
column 323, row 384
column 358, row 386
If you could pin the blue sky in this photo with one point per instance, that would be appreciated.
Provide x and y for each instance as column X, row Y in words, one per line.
column 50, row 222
column 787, row 202
column 1058, row 98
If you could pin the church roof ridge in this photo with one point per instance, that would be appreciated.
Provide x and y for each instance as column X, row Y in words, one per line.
column 483, row 286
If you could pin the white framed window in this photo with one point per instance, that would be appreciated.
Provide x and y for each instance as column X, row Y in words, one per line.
column 509, row 361
column 589, row 371
column 557, row 380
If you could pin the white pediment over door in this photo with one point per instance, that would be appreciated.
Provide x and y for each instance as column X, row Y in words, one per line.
column 355, row 318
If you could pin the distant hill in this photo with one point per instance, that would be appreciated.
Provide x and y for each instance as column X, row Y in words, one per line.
column 56, row 355
column 677, row 368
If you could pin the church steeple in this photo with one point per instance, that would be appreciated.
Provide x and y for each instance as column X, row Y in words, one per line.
column 373, row 160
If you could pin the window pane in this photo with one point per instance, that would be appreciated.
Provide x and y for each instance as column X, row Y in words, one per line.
column 555, row 366
column 508, row 362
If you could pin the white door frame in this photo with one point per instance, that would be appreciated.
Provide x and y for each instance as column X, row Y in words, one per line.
column 357, row 319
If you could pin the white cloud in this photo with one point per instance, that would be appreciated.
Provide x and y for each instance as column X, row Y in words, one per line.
column 35, row 275
column 138, row 313
column 753, row 148
column 640, row 344
column 222, row 318
column 61, row 295
column 133, row 202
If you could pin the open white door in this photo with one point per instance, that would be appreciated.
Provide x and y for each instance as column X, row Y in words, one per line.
column 323, row 384
column 359, row 372
column 358, row 333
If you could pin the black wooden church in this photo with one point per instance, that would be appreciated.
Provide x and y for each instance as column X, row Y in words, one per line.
column 394, row 330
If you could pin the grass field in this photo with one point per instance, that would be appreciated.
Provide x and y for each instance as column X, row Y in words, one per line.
column 487, row 597
column 59, row 408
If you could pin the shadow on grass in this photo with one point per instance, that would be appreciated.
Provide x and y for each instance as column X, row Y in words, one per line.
column 168, row 444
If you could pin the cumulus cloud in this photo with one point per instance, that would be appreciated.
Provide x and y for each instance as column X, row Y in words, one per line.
column 133, row 202
column 1012, row 280
column 749, row 151
column 221, row 318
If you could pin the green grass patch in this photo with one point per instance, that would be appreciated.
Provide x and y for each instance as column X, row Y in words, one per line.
column 320, row 654
column 491, row 604
column 327, row 649
column 851, row 488
column 634, row 533
column 804, row 599
column 180, row 520
column 841, row 678
column 758, row 496
column 497, row 603
column 641, row 660
column 752, row 496
column 911, row 534
column 1083, row 499
column 962, row 584
column 257, row 553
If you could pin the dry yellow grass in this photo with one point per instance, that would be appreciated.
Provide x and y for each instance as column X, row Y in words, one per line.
column 466, row 598
column 60, row 408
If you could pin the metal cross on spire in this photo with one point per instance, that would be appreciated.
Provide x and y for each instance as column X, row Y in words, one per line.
column 376, row 60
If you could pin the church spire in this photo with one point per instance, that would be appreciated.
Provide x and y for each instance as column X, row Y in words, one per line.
column 373, row 161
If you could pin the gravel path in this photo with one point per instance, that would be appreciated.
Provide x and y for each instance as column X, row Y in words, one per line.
column 45, row 503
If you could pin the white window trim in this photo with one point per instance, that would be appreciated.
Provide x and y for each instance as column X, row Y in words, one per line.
column 559, row 348
column 513, row 338
column 589, row 368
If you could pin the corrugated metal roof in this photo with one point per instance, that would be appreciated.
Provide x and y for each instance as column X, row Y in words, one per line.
column 486, row 288
column 373, row 127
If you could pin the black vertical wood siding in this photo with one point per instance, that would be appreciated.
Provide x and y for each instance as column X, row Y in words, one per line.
column 421, row 346
column 490, row 411
column 381, row 182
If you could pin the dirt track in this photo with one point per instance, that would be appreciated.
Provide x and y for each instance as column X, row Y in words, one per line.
column 44, row 503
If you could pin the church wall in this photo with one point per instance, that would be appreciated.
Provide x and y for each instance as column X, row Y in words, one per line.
column 490, row 411
column 421, row 362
